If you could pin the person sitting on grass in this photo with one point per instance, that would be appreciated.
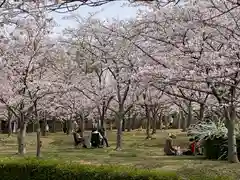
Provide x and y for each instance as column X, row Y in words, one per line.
column 169, row 150
column 77, row 138
column 194, row 147
column 191, row 148
column 96, row 138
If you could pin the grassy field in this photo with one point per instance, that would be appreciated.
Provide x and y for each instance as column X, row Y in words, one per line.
column 136, row 152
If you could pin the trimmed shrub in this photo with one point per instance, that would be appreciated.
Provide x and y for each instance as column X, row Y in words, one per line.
column 217, row 148
column 52, row 170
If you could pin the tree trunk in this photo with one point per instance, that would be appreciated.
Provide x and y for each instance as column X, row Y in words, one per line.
column 123, row 124
column 154, row 123
column 179, row 120
column 69, row 126
column 183, row 122
column 189, row 117
column 201, row 113
column 148, row 129
column 10, row 127
column 232, row 144
column 133, row 124
column 38, row 153
column 141, row 123
column 148, row 116
column 21, row 138
column 9, row 123
column 44, row 127
column 65, row 126
column 119, row 130
column 82, row 126
column 102, row 121
column 54, row 124
column 129, row 122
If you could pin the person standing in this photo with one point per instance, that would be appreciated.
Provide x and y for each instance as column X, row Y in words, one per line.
column 47, row 128
column 75, row 126
column 171, row 121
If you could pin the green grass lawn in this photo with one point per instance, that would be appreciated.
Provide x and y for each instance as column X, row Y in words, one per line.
column 136, row 152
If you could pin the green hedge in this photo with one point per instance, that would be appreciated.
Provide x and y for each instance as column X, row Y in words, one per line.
column 217, row 148
column 52, row 170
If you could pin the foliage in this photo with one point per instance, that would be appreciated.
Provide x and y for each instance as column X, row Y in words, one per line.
column 216, row 148
column 205, row 130
column 215, row 138
column 181, row 57
column 41, row 170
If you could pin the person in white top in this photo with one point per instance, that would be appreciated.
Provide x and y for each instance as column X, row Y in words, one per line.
column 47, row 128
column 171, row 121
column 95, row 131
column 75, row 125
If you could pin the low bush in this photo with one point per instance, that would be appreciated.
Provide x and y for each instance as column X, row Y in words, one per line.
column 217, row 148
column 50, row 170
column 214, row 135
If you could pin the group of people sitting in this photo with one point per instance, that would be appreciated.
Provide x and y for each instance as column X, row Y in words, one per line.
column 195, row 147
column 96, row 139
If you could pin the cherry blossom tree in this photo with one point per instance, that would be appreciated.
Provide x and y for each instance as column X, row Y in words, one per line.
column 24, row 63
column 202, row 37
column 108, row 58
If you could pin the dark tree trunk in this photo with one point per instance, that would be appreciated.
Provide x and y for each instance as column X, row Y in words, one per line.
column 9, row 124
column 133, row 124
column 69, row 126
column 119, row 123
column 230, row 123
column 160, row 121
column 82, row 125
column 154, row 123
column 201, row 112
column 54, row 124
column 44, row 132
column 189, row 117
column 123, row 124
column 22, row 127
column 183, row 121
column 129, row 122
column 148, row 117
column 179, row 120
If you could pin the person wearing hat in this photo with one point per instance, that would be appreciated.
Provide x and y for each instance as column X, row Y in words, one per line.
column 169, row 150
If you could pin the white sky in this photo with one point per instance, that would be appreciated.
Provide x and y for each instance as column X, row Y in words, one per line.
column 107, row 11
